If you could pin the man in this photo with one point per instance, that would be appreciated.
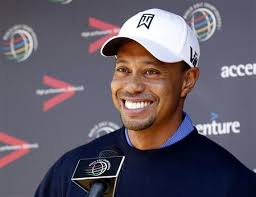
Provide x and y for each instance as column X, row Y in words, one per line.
column 156, row 67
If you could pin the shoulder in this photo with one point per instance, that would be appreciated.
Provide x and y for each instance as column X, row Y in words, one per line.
column 220, row 165
column 210, row 148
column 213, row 151
column 215, row 156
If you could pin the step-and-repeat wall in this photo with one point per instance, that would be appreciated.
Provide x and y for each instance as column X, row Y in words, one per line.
column 55, row 85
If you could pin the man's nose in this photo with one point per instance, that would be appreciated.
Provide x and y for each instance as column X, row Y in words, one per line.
column 135, row 84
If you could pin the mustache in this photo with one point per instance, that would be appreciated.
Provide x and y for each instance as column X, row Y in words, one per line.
column 142, row 96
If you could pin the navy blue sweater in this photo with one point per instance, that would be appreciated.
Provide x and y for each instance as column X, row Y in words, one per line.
column 194, row 167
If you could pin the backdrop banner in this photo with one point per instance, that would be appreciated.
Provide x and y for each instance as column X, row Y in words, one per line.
column 55, row 85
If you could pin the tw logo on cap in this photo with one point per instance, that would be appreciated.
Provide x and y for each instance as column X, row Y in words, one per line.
column 193, row 57
column 146, row 20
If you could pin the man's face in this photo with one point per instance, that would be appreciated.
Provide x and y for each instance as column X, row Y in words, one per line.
column 146, row 91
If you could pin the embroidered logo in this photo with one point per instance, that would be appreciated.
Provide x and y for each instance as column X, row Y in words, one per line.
column 146, row 20
column 193, row 57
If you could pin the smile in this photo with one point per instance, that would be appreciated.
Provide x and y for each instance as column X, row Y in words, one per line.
column 136, row 105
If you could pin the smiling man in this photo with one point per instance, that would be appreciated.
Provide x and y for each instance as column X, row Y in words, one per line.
column 149, row 94
column 156, row 67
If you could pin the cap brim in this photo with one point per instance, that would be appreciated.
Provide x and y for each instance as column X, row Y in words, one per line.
column 112, row 45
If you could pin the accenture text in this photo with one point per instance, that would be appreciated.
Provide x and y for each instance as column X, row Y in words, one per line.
column 219, row 128
column 240, row 70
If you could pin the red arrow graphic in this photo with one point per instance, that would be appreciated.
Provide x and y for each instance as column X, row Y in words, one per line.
column 101, row 25
column 55, row 83
column 14, row 155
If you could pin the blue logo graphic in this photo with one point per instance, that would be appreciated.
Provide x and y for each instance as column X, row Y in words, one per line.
column 214, row 116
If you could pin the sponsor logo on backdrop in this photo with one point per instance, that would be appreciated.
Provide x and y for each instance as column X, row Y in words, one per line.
column 60, row 1
column 104, row 29
column 101, row 129
column 215, row 127
column 204, row 19
column 15, row 148
column 98, row 167
column 240, row 70
column 63, row 90
column 18, row 43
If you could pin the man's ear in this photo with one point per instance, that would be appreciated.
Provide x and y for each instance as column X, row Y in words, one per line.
column 190, row 77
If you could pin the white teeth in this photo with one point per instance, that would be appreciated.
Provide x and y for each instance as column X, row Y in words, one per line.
column 136, row 105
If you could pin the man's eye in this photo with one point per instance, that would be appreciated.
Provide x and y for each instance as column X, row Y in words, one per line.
column 121, row 69
column 152, row 72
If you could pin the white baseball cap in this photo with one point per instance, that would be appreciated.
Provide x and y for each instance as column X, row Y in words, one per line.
column 165, row 35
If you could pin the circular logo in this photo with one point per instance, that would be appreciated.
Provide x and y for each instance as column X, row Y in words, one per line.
column 102, row 128
column 19, row 42
column 61, row 1
column 98, row 167
column 204, row 19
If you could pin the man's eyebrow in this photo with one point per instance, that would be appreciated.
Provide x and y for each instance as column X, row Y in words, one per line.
column 121, row 61
column 147, row 62
column 154, row 62
column 141, row 61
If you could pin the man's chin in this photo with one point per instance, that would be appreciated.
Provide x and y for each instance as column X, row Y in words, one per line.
column 138, row 125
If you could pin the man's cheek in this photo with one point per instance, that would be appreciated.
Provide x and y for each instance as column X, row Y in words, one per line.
column 114, row 89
